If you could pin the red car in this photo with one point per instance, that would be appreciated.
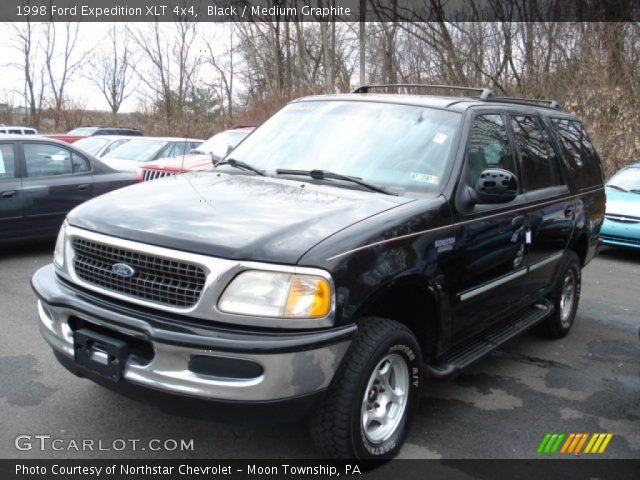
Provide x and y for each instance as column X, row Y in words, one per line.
column 200, row 158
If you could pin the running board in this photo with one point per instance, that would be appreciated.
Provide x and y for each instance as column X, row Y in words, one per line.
column 466, row 354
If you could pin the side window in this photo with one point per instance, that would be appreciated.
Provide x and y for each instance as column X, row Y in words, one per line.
column 539, row 164
column 113, row 146
column 179, row 149
column 579, row 153
column 7, row 161
column 166, row 152
column 42, row 160
column 488, row 146
column 80, row 164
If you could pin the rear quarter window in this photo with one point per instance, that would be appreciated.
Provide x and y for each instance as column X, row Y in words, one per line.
column 579, row 153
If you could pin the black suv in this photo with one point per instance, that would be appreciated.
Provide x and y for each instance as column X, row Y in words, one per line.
column 351, row 246
column 90, row 130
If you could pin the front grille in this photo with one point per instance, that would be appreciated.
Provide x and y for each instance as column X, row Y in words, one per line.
column 617, row 238
column 156, row 279
column 154, row 174
column 622, row 218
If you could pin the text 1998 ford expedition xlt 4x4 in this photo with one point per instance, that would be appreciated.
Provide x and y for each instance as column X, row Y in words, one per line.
column 349, row 246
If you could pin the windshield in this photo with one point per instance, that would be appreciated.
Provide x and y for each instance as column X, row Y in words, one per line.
column 401, row 147
column 83, row 131
column 91, row 145
column 137, row 150
column 219, row 144
column 627, row 179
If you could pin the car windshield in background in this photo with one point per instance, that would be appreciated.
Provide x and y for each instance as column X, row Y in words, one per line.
column 137, row 150
column 219, row 144
column 401, row 147
column 627, row 179
column 83, row 131
column 91, row 145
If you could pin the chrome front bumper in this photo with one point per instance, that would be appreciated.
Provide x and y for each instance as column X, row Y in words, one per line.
column 293, row 364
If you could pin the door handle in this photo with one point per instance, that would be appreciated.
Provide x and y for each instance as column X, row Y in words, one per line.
column 568, row 210
column 518, row 222
column 9, row 194
column 83, row 187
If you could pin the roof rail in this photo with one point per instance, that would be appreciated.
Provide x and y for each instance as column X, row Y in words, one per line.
column 529, row 101
column 485, row 93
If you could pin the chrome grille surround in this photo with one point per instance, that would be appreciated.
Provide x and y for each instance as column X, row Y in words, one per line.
column 219, row 272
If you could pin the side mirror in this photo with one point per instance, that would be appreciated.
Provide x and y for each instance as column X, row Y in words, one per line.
column 495, row 185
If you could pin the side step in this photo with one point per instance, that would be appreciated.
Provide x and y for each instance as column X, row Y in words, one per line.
column 466, row 354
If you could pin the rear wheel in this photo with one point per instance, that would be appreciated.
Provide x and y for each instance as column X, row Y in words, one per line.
column 368, row 407
column 565, row 297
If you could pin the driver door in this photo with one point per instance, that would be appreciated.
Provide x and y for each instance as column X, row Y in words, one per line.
column 489, row 280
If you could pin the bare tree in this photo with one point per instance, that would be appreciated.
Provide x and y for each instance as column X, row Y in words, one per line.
column 224, row 64
column 27, row 46
column 173, row 64
column 59, row 61
column 111, row 69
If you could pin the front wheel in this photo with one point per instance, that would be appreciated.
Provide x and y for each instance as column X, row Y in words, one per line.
column 367, row 410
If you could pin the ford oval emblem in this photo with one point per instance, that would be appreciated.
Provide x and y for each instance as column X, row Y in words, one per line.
column 122, row 270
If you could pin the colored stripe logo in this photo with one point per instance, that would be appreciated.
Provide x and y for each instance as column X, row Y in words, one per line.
column 573, row 443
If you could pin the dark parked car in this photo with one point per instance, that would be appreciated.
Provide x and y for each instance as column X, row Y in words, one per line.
column 90, row 130
column 93, row 130
column 349, row 245
column 41, row 180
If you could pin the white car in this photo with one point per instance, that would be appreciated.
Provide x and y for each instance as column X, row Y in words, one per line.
column 100, row 145
column 128, row 156
column 17, row 130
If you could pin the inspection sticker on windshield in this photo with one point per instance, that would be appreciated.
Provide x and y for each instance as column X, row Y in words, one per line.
column 423, row 177
column 439, row 138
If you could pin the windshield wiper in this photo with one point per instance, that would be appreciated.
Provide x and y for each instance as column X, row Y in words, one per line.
column 616, row 187
column 198, row 152
column 242, row 165
column 327, row 175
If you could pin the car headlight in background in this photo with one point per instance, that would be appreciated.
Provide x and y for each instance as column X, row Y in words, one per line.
column 58, row 252
column 277, row 294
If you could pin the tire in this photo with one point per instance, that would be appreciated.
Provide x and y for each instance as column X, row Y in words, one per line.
column 569, row 278
column 380, row 347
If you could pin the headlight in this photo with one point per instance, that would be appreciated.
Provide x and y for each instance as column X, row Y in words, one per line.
column 58, row 252
column 276, row 294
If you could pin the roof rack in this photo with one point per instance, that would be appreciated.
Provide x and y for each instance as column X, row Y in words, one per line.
column 485, row 93
column 529, row 101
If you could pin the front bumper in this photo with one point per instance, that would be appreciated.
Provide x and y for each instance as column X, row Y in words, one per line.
column 620, row 234
column 292, row 364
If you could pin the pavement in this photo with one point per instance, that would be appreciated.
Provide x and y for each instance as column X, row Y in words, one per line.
column 501, row 407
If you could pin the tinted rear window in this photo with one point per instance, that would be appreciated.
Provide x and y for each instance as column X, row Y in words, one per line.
column 538, row 160
column 579, row 153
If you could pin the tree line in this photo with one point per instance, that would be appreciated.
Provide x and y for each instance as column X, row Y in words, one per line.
column 204, row 77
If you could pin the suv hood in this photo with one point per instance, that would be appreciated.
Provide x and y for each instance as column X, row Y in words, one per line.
column 233, row 216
